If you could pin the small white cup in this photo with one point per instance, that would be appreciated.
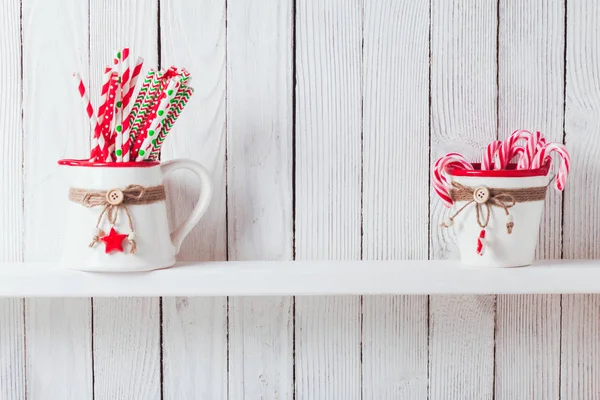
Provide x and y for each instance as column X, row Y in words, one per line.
column 500, row 248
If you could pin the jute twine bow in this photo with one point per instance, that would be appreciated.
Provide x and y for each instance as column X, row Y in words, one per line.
column 502, row 198
column 132, row 195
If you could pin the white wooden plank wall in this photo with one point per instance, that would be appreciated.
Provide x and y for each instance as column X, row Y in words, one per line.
column 328, row 191
column 463, row 119
column 12, row 340
column 259, row 189
column 396, row 60
column 319, row 122
column 58, row 338
column 193, row 35
column 528, row 327
column 580, row 341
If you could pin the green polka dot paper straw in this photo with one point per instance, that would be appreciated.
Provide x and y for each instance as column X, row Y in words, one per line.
column 161, row 115
column 117, row 131
column 146, row 107
column 183, row 96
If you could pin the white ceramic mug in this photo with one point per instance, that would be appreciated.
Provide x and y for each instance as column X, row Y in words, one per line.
column 501, row 249
column 156, row 246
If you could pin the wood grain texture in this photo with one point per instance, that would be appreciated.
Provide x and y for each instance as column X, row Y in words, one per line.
column 58, row 332
column 127, row 349
column 195, row 348
column 461, row 347
column 130, row 325
column 531, row 33
column 579, row 343
column 395, row 347
column 328, row 347
column 12, row 350
column 328, row 190
column 580, row 371
column 193, row 36
column 463, row 119
column 528, row 330
column 259, row 176
column 395, row 212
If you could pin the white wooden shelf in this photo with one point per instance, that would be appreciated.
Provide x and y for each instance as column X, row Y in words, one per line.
column 266, row 278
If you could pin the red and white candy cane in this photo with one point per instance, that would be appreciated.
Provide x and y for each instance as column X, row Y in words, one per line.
column 534, row 144
column 440, row 182
column 518, row 151
column 505, row 150
column 563, row 169
column 488, row 156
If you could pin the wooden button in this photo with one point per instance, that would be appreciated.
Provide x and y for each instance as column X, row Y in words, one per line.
column 481, row 194
column 114, row 197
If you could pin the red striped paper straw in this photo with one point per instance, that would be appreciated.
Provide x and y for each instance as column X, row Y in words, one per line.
column 88, row 109
column 99, row 138
column 108, row 117
column 135, row 73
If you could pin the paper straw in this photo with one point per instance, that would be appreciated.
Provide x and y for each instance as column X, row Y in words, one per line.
column 98, row 138
column 161, row 114
column 140, row 97
column 183, row 96
column 89, row 109
column 563, row 171
column 118, row 132
column 133, row 82
column 146, row 107
column 108, row 117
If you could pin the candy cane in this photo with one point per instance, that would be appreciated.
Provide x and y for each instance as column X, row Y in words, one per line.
column 517, row 151
column 488, row 156
column 563, row 170
column 440, row 182
column 504, row 150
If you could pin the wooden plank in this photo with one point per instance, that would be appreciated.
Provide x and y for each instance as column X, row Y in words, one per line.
column 531, row 33
column 328, row 190
column 127, row 349
column 396, row 62
column 528, row 330
column 580, row 369
column 259, row 176
column 197, row 369
column 12, row 351
column 580, row 351
column 58, row 339
column 126, row 331
column 463, row 119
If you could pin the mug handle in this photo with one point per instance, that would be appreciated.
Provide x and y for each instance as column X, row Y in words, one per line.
column 206, row 189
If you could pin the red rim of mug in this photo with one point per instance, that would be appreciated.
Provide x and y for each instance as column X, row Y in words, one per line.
column 88, row 163
column 510, row 172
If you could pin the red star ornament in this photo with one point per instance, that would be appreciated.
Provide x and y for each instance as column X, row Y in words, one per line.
column 113, row 241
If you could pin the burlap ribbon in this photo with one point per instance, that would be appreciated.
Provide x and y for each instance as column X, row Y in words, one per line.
column 501, row 198
column 132, row 195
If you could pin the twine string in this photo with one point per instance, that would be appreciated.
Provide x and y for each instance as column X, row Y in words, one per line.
column 132, row 195
column 501, row 198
